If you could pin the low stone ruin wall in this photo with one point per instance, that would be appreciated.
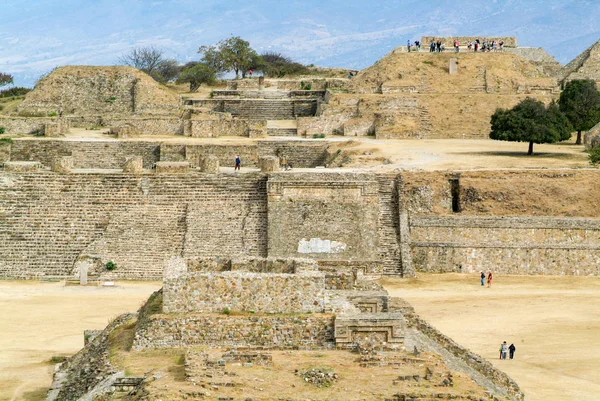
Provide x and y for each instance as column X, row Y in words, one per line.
column 312, row 331
column 243, row 291
column 24, row 125
column 509, row 245
column 90, row 155
column 147, row 125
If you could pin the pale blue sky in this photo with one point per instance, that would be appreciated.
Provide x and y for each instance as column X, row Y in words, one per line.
column 38, row 35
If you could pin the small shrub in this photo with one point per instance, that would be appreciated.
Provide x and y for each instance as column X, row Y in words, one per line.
column 305, row 86
column 2, row 130
column 53, row 114
column 211, row 94
column 317, row 136
column 58, row 359
column 594, row 156
column 1, row 107
column 5, row 141
column 110, row 266
column 226, row 311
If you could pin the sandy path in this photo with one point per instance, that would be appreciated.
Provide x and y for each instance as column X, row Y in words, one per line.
column 41, row 320
column 553, row 321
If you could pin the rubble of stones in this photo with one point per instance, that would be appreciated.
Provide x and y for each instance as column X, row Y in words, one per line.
column 317, row 377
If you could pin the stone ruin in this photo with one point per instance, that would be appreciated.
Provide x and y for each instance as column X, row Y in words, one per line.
column 234, row 319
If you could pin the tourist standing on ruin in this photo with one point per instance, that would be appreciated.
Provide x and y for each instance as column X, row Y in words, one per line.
column 408, row 45
column 417, row 45
column 432, row 47
column 512, row 350
column 482, row 278
column 238, row 163
column 503, row 350
column 438, row 46
column 456, row 46
column 489, row 280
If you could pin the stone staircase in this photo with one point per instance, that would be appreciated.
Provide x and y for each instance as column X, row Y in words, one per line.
column 389, row 226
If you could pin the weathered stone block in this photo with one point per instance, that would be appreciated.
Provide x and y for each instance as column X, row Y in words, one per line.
column 381, row 328
column 268, row 164
column 63, row 165
column 209, row 164
column 453, row 66
column 56, row 128
column 22, row 166
column 172, row 167
column 134, row 165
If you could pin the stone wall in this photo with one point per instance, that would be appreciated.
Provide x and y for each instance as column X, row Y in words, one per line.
column 108, row 154
column 51, row 220
column 509, row 245
column 500, row 379
column 323, row 216
column 24, row 125
column 311, row 331
column 244, row 291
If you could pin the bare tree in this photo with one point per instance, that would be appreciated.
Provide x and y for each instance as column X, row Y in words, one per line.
column 146, row 58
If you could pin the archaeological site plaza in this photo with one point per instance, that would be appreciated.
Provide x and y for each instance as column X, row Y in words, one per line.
column 272, row 275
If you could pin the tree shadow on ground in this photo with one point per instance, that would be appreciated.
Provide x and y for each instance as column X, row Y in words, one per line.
column 522, row 155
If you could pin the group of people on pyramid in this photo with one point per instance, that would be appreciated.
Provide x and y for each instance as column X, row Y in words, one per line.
column 476, row 46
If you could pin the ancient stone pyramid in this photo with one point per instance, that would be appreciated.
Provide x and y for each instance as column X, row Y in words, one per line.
column 584, row 66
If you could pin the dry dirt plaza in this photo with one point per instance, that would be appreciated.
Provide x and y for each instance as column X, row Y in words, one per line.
column 553, row 321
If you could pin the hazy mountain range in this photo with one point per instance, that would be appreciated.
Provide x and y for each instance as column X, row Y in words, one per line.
column 38, row 35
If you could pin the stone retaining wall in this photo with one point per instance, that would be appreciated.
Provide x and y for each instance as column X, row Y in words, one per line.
column 509, row 245
column 274, row 331
column 243, row 291
column 90, row 155
column 497, row 377
column 24, row 125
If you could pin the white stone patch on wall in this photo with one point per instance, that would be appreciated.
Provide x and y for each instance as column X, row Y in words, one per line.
column 318, row 245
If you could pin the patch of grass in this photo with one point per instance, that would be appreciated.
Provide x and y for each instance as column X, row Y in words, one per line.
column 318, row 136
column 58, row 359
column 428, row 62
column 121, row 340
column 5, row 141
column 226, row 311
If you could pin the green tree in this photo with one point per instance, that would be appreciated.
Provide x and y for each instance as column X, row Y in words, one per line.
column 278, row 65
column 197, row 75
column 5, row 79
column 530, row 121
column 232, row 54
column 580, row 101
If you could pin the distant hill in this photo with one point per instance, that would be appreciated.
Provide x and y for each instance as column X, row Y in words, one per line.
column 36, row 35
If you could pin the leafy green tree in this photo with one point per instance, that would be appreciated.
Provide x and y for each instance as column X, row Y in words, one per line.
column 197, row 75
column 232, row 54
column 580, row 101
column 278, row 65
column 530, row 121
column 5, row 79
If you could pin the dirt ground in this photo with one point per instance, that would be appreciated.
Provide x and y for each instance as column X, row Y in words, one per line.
column 42, row 320
column 554, row 323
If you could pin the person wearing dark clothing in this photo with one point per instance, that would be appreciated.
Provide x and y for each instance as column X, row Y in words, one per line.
column 432, row 47
column 238, row 163
column 438, row 46
column 482, row 279
column 511, row 351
